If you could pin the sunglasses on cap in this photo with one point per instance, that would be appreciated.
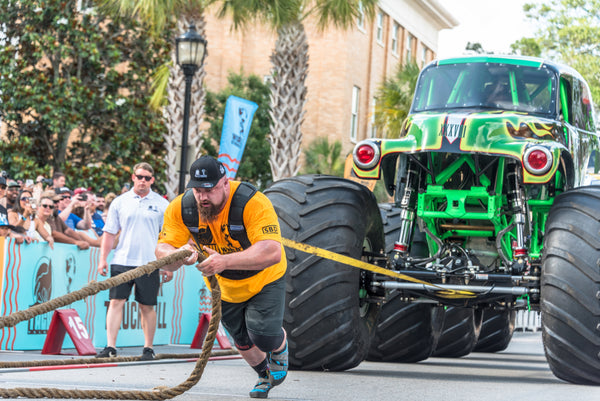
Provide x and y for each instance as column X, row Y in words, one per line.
column 143, row 177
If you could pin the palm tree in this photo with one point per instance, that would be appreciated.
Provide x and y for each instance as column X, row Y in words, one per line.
column 323, row 157
column 394, row 97
column 160, row 16
column 290, row 63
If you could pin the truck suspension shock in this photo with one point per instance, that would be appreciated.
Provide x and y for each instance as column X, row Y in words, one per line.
column 515, row 200
column 407, row 213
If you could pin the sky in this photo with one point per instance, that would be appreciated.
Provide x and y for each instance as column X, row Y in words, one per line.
column 494, row 24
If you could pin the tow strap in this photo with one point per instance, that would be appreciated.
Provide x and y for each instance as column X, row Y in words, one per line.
column 336, row 257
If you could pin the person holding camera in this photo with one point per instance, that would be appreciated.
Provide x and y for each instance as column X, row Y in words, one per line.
column 97, row 220
column 59, row 180
column 65, row 210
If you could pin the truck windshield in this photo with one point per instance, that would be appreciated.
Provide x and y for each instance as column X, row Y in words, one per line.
column 495, row 86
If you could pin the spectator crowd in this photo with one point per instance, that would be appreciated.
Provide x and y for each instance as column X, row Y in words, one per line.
column 47, row 210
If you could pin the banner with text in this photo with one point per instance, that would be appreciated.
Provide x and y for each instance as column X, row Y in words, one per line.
column 33, row 274
column 236, row 126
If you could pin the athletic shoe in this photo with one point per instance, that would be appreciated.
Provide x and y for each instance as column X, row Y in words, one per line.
column 262, row 387
column 147, row 354
column 107, row 352
column 278, row 364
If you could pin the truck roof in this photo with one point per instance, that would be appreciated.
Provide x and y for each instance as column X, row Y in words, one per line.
column 510, row 59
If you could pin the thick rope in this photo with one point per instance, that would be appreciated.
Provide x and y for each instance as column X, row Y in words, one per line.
column 93, row 288
column 94, row 360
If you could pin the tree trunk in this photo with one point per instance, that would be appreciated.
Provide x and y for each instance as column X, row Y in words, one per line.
column 288, row 96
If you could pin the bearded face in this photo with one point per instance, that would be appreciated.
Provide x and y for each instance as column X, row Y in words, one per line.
column 212, row 201
column 208, row 213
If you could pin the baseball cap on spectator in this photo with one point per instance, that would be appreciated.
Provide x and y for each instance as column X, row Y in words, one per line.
column 205, row 172
column 80, row 190
column 63, row 190
column 13, row 184
column 2, row 181
column 4, row 221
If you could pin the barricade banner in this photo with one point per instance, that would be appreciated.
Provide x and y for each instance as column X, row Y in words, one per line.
column 236, row 126
column 34, row 273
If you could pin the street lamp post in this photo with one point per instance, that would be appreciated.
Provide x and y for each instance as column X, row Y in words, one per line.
column 190, row 52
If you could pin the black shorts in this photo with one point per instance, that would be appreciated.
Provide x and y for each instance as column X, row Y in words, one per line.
column 262, row 314
column 146, row 286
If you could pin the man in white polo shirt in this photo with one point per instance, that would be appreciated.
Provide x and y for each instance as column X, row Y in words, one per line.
column 138, row 216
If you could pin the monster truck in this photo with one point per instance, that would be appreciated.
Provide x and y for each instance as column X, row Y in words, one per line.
column 489, row 216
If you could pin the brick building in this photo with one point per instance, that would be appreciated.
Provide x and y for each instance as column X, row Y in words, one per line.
column 345, row 67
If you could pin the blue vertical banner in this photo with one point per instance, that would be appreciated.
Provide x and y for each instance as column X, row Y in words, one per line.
column 236, row 126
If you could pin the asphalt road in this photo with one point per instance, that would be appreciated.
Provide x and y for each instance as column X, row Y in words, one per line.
column 519, row 373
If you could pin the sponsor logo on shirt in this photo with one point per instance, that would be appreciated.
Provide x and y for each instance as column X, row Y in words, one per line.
column 270, row 230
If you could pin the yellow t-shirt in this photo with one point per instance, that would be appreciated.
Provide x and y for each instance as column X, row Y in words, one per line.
column 261, row 223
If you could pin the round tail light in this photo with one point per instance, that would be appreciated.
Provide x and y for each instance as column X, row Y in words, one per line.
column 366, row 155
column 537, row 160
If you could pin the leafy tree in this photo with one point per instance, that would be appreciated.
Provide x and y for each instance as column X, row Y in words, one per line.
column 74, row 89
column 254, row 166
column 322, row 157
column 170, row 18
column 394, row 97
column 527, row 47
column 568, row 32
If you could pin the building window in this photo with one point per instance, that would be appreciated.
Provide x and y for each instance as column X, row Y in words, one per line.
column 409, row 45
column 360, row 20
column 380, row 27
column 424, row 56
column 373, row 127
column 395, row 30
column 354, row 117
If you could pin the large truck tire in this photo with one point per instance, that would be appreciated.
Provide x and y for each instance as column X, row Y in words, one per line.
column 570, row 287
column 496, row 330
column 460, row 333
column 405, row 332
column 327, row 318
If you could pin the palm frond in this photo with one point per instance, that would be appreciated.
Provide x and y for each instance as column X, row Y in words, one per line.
column 394, row 98
column 341, row 13
column 160, row 83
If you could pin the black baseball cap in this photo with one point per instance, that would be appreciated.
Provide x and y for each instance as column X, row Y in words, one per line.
column 205, row 172
column 2, row 180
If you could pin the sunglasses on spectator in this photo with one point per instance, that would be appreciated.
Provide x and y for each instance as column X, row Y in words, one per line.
column 143, row 177
column 66, row 197
column 48, row 206
column 25, row 198
column 2, row 186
